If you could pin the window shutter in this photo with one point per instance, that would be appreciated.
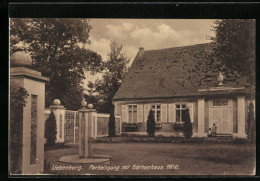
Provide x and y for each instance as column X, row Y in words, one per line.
column 115, row 108
column 190, row 106
column 140, row 113
column 171, row 112
column 164, row 112
column 124, row 113
column 146, row 111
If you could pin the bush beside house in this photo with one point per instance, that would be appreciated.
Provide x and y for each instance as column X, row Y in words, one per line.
column 151, row 124
column 50, row 130
column 251, row 123
column 111, row 124
column 187, row 129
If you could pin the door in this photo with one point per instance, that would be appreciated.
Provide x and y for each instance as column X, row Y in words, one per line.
column 224, row 120
column 221, row 117
column 215, row 117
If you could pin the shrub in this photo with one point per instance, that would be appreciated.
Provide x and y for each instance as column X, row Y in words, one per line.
column 111, row 124
column 151, row 124
column 18, row 96
column 50, row 131
column 187, row 129
column 250, row 123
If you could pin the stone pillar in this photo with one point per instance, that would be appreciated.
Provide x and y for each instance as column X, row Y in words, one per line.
column 241, row 117
column 201, row 119
column 59, row 112
column 94, row 125
column 86, row 116
column 33, row 112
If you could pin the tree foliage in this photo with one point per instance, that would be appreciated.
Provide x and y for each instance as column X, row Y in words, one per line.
column 114, row 70
column 251, row 123
column 235, row 46
column 150, row 125
column 187, row 129
column 50, row 131
column 53, row 44
column 112, row 123
column 18, row 96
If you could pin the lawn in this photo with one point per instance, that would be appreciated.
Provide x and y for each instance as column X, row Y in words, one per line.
column 163, row 159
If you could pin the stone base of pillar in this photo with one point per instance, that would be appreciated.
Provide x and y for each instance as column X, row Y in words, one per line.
column 199, row 135
column 239, row 135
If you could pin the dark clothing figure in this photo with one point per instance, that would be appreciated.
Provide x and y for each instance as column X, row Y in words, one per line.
column 214, row 130
column 209, row 133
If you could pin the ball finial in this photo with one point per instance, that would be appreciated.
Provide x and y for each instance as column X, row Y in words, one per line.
column 90, row 106
column 20, row 59
column 56, row 102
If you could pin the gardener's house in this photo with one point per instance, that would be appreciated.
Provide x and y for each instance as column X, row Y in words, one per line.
column 170, row 80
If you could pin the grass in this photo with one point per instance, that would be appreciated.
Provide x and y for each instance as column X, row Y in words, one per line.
column 191, row 159
column 55, row 146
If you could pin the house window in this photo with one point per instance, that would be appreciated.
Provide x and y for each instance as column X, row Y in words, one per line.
column 220, row 102
column 180, row 112
column 156, row 112
column 132, row 113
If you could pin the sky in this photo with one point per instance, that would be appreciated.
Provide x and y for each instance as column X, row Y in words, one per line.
column 147, row 33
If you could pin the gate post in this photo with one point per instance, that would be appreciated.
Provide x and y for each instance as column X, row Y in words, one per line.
column 59, row 112
column 85, row 130
column 22, row 75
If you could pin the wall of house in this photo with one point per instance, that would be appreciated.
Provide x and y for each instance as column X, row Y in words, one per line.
column 165, row 128
column 169, row 120
column 168, row 113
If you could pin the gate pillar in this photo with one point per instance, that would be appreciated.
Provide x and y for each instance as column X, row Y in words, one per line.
column 59, row 112
column 22, row 75
column 86, row 116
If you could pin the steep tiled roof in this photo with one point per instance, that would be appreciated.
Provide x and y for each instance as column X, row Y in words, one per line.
column 172, row 72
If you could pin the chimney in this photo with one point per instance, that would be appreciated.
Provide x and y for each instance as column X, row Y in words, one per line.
column 141, row 52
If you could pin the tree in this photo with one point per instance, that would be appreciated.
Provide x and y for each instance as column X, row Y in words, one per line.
column 91, row 96
column 53, row 44
column 187, row 129
column 50, row 130
column 114, row 70
column 235, row 47
column 112, row 123
column 150, row 125
column 251, row 123
column 18, row 96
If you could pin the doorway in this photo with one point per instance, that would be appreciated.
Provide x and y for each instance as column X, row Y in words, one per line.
column 220, row 114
